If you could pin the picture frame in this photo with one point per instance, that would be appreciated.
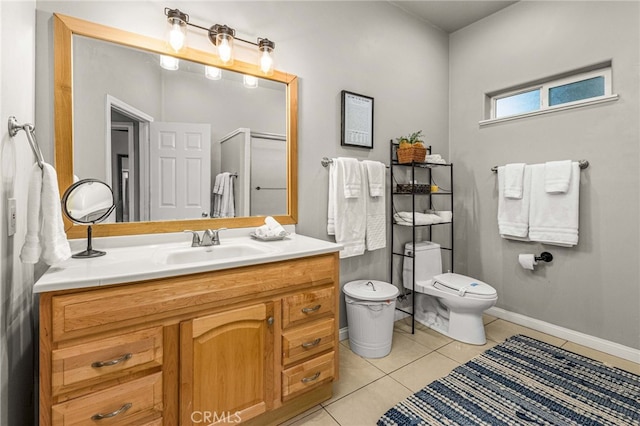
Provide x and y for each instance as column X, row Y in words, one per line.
column 356, row 127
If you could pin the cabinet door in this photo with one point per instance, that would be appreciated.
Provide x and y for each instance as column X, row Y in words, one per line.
column 227, row 365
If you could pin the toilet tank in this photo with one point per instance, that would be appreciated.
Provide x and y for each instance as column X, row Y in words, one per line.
column 428, row 261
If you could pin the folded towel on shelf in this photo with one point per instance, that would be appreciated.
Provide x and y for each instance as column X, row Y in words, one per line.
column 346, row 216
column 406, row 218
column 376, row 175
column 445, row 215
column 513, row 179
column 557, row 176
column 376, row 229
column 513, row 214
column 271, row 229
column 435, row 158
column 352, row 176
column 554, row 217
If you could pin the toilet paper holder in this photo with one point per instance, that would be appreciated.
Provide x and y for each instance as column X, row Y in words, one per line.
column 545, row 256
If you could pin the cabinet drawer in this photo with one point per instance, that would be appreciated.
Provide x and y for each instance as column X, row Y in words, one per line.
column 308, row 375
column 310, row 304
column 308, row 340
column 132, row 403
column 106, row 359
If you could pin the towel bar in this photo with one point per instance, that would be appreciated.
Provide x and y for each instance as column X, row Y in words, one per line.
column 583, row 164
column 30, row 130
column 326, row 161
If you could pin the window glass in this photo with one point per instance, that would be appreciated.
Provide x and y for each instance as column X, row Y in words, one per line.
column 576, row 91
column 518, row 104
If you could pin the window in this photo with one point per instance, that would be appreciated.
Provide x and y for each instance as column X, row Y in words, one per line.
column 572, row 90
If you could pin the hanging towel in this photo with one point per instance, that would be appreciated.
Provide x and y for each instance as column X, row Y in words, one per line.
column 513, row 214
column 557, row 176
column 352, row 177
column 554, row 216
column 513, row 179
column 223, row 199
column 346, row 216
column 376, row 230
column 46, row 238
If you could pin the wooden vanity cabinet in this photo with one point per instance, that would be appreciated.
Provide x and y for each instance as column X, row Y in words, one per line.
column 256, row 344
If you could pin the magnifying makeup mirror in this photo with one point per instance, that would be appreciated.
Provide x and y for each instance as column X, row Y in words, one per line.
column 88, row 201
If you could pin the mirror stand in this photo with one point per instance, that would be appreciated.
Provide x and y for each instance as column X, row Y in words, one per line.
column 89, row 252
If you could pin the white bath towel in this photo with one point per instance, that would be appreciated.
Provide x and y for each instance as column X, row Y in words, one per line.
column 376, row 231
column 346, row 216
column 513, row 214
column 554, row 217
column 352, row 176
column 406, row 218
column 557, row 176
column 31, row 249
column 513, row 180
column 435, row 158
column 376, row 176
column 223, row 198
column 271, row 229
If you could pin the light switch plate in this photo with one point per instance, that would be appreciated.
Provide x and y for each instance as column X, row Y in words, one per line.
column 11, row 216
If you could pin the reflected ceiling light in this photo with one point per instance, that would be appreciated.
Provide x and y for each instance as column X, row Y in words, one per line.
column 212, row 73
column 169, row 62
column 222, row 36
column 250, row 81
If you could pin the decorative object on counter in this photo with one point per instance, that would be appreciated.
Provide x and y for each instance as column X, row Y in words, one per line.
column 270, row 231
column 357, row 120
column 88, row 201
column 411, row 148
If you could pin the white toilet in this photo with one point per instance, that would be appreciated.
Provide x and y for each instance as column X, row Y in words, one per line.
column 451, row 304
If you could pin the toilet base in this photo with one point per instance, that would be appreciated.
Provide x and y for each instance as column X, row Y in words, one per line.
column 466, row 328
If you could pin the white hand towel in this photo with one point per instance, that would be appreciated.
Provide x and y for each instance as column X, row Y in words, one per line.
column 352, row 177
column 513, row 214
column 513, row 179
column 227, row 208
column 554, row 217
column 55, row 247
column 376, row 231
column 274, row 228
column 406, row 218
column 557, row 176
column 376, row 175
column 435, row 158
column 346, row 216
column 31, row 249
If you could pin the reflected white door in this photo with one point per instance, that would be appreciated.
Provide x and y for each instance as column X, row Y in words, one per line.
column 180, row 170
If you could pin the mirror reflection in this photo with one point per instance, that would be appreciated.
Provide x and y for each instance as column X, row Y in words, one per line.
column 177, row 144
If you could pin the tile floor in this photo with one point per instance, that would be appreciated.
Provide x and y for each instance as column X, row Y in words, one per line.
column 369, row 387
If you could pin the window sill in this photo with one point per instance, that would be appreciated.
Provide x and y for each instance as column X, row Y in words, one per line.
column 573, row 105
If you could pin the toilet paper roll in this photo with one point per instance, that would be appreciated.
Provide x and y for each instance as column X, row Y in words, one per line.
column 527, row 261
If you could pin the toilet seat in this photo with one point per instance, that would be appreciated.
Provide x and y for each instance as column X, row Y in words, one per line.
column 463, row 286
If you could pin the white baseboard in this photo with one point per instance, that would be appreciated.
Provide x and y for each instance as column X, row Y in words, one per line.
column 344, row 333
column 592, row 342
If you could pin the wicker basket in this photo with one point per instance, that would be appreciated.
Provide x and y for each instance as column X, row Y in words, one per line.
column 419, row 154
column 405, row 155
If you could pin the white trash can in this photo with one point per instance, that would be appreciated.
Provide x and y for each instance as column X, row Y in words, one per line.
column 370, row 311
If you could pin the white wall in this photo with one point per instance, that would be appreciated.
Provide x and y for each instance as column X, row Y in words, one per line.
column 593, row 287
column 17, row 66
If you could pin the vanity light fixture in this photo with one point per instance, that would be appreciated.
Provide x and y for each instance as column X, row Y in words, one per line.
column 222, row 36
column 212, row 73
column 249, row 81
column 169, row 62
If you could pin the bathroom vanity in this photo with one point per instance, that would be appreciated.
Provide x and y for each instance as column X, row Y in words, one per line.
column 143, row 336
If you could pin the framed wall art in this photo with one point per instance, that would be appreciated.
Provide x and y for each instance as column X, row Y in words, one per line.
column 357, row 120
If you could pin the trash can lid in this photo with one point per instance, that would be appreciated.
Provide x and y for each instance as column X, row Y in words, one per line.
column 371, row 290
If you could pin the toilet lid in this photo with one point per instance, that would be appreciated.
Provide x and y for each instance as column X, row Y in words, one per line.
column 376, row 291
column 463, row 285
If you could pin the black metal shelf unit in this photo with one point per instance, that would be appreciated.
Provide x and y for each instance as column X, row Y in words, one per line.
column 415, row 191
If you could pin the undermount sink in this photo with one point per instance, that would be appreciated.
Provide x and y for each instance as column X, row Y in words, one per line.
column 223, row 252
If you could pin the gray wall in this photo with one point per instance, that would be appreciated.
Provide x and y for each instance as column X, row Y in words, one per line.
column 593, row 287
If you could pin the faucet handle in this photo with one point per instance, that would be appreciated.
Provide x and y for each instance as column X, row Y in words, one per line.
column 215, row 237
column 195, row 241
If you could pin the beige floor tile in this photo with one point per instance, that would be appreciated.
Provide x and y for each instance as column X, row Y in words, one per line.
column 423, row 334
column 366, row 405
column 403, row 351
column 420, row 373
column 605, row 358
column 463, row 352
column 486, row 319
column 355, row 372
column 500, row 330
column 318, row 418
column 300, row 416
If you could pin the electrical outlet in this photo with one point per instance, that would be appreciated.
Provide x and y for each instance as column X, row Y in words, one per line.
column 11, row 216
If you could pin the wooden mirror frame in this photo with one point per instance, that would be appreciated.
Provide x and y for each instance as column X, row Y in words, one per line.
column 64, row 27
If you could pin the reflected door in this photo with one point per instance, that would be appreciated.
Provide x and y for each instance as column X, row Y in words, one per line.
column 180, row 170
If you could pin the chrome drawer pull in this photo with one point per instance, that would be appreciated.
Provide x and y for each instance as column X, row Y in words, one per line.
column 310, row 379
column 308, row 345
column 123, row 358
column 309, row 310
column 120, row 410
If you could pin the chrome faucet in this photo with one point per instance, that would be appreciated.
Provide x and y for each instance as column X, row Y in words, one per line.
column 210, row 237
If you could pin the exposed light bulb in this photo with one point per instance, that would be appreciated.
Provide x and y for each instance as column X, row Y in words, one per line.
column 176, row 36
column 224, row 50
column 250, row 81
column 169, row 62
column 266, row 63
column 212, row 73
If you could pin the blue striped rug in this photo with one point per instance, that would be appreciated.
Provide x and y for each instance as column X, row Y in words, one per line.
column 524, row 382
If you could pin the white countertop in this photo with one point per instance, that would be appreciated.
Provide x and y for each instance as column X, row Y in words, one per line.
column 143, row 257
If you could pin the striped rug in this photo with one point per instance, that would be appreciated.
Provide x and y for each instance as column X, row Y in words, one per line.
column 524, row 381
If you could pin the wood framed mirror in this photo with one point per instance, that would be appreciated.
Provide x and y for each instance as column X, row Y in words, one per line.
column 65, row 28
